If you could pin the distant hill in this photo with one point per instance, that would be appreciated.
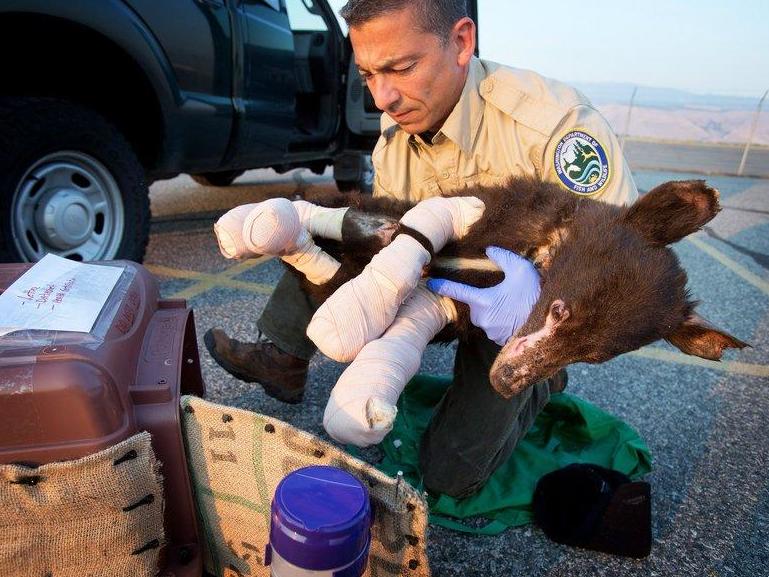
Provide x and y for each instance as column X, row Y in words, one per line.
column 670, row 114
column 619, row 93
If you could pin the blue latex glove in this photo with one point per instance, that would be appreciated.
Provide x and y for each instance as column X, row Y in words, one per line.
column 502, row 309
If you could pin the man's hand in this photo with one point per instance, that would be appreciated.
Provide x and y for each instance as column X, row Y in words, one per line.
column 502, row 309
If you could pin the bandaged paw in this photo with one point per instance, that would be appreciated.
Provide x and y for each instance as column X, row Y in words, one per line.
column 275, row 227
column 362, row 407
column 229, row 232
column 272, row 227
column 362, row 308
column 443, row 219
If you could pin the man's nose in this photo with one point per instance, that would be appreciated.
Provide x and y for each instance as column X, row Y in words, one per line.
column 385, row 94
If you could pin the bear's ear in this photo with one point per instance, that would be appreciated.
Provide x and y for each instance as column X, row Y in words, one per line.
column 673, row 210
column 696, row 336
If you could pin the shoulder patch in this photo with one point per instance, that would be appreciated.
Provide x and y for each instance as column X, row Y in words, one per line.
column 581, row 163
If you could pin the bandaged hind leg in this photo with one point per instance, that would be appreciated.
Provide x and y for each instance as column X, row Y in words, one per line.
column 362, row 406
column 361, row 309
column 278, row 227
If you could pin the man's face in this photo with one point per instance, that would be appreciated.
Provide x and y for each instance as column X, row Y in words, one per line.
column 413, row 76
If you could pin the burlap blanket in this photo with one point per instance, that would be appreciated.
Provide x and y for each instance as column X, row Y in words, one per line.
column 237, row 458
column 99, row 515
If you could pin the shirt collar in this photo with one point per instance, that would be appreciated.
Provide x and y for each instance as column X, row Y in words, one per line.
column 461, row 126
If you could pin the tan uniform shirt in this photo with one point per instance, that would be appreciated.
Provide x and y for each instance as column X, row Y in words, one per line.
column 507, row 122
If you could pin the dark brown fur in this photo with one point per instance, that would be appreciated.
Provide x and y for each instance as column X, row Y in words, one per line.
column 610, row 284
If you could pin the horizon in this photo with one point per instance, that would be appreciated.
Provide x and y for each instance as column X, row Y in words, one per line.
column 667, row 88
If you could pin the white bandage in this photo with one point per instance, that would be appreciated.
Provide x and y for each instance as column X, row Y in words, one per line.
column 229, row 232
column 274, row 228
column 321, row 221
column 362, row 406
column 443, row 219
column 362, row 308
column 308, row 258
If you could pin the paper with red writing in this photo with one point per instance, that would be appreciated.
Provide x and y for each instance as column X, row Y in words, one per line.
column 57, row 294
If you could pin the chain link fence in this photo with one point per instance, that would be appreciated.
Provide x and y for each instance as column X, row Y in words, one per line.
column 682, row 132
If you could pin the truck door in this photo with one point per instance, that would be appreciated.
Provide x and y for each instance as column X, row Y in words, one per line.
column 264, row 84
column 318, row 58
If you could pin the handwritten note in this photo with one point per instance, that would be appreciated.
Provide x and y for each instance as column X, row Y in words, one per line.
column 57, row 294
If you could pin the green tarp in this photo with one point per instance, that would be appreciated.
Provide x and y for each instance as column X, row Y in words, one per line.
column 569, row 430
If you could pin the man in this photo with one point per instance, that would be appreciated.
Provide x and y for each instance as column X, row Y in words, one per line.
column 451, row 121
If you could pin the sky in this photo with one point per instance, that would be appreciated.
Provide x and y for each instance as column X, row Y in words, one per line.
column 695, row 45
column 701, row 46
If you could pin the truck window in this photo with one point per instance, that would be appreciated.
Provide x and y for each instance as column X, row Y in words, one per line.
column 300, row 16
column 316, row 69
column 336, row 6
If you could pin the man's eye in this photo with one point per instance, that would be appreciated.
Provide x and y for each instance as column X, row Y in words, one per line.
column 405, row 70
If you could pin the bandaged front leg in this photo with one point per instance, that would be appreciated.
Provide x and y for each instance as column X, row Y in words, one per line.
column 362, row 406
column 361, row 309
column 443, row 219
column 273, row 227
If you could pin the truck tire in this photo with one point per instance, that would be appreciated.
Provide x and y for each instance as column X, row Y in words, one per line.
column 354, row 172
column 70, row 184
column 225, row 178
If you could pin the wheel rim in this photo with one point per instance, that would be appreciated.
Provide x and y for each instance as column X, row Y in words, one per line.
column 69, row 204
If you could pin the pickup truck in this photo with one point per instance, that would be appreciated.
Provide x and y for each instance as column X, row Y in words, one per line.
column 101, row 97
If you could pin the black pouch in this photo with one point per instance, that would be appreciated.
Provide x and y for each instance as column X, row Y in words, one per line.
column 589, row 506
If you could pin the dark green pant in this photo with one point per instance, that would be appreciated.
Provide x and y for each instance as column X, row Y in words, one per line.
column 473, row 430
column 286, row 316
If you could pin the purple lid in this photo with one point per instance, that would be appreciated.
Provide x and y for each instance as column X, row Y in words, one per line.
column 321, row 518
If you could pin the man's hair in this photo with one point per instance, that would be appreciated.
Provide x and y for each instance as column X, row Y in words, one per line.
column 434, row 16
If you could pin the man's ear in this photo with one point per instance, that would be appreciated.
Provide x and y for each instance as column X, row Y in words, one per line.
column 673, row 210
column 695, row 336
column 463, row 35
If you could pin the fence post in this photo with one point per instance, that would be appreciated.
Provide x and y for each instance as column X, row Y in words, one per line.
column 752, row 132
column 627, row 119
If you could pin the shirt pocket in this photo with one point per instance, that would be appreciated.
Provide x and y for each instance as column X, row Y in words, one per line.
column 479, row 171
column 483, row 179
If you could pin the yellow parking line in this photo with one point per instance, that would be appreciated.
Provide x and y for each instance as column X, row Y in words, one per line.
column 243, row 266
column 160, row 270
column 207, row 281
column 214, row 282
column 732, row 367
column 733, row 266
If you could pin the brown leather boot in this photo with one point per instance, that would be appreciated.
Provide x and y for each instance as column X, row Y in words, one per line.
column 280, row 374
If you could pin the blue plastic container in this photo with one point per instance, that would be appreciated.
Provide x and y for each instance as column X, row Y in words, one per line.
column 320, row 526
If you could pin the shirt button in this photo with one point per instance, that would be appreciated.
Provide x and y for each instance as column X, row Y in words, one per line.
column 445, row 174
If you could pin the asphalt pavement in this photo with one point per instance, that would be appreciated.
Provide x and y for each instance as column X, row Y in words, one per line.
column 705, row 422
column 702, row 158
